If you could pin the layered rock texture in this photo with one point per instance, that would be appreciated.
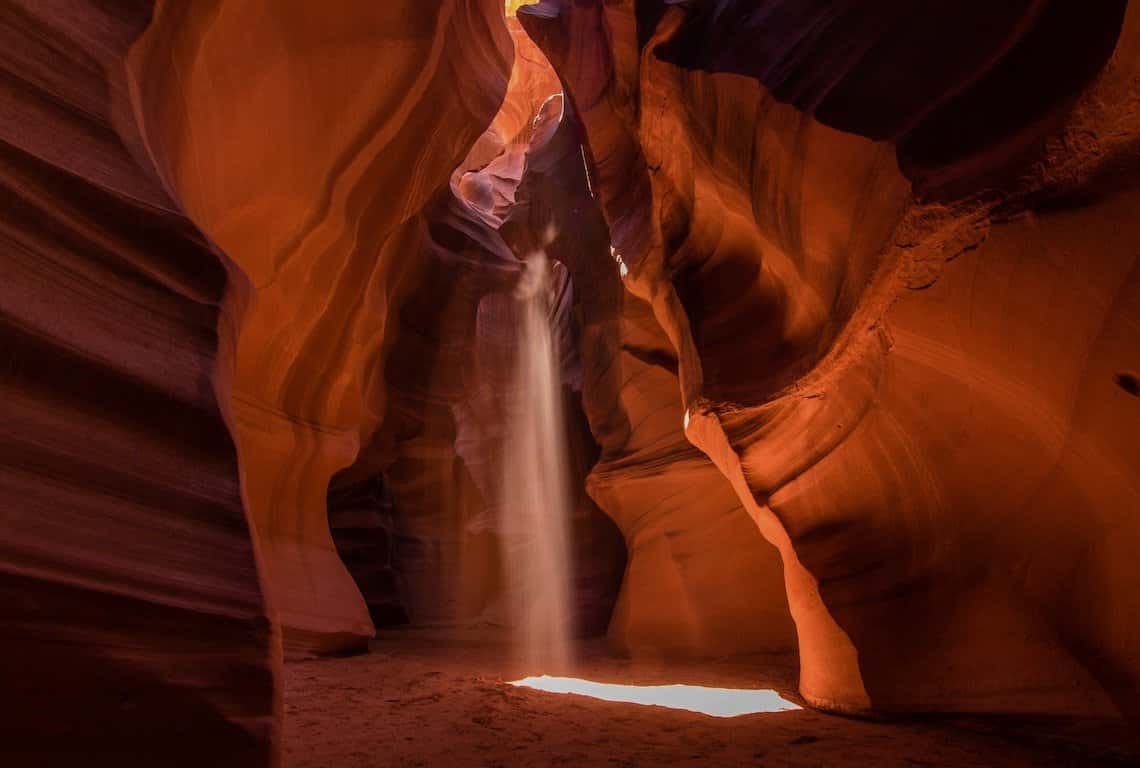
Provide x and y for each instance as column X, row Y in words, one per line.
column 848, row 314
column 896, row 278
column 451, row 376
column 700, row 580
column 208, row 211
column 308, row 147
column 134, row 620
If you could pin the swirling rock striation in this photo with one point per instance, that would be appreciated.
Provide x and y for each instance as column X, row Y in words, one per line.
column 307, row 146
column 134, row 631
column 894, row 315
column 700, row 580
column 449, row 369
column 361, row 520
column 848, row 310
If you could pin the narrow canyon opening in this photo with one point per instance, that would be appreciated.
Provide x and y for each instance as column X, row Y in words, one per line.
column 636, row 382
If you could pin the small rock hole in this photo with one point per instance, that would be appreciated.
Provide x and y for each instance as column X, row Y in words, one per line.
column 1129, row 382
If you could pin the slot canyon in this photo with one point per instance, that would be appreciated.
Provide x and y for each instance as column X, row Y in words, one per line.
column 373, row 373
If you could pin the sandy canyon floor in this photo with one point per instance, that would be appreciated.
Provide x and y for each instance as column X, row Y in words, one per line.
column 425, row 699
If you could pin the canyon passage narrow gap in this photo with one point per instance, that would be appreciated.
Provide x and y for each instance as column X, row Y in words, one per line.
column 587, row 382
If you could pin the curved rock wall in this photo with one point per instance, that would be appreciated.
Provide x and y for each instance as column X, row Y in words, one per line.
column 441, row 448
column 700, row 580
column 307, row 145
column 134, row 631
column 855, row 309
column 362, row 522
column 895, row 313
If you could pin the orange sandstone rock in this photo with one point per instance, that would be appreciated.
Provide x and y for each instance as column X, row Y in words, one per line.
column 813, row 247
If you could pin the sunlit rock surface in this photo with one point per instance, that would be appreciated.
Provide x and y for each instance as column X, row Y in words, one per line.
column 848, row 321
column 443, row 448
column 206, row 212
column 444, row 371
column 897, row 283
column 307, row 146
column 700, row 580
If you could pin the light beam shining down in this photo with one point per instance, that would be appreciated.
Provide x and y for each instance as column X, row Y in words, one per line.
column 718, row 702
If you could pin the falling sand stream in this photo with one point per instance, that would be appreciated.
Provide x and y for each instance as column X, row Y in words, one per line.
column 535, row 488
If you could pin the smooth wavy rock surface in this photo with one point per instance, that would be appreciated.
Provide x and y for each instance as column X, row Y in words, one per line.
column 898, row 286
column 134, row 631
column 307, row 146
column 848, row 309
column 442, row 445
column 700, row 580
column 206, row 211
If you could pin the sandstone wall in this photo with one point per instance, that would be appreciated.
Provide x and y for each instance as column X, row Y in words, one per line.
column 307, row 145
column 896, row 276
column 134, row 629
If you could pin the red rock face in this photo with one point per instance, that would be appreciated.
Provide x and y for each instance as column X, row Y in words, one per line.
column 906, row 396
column 450, row 372
column 687, row 536
column 134, row 620
column 848, row 318
column 280, row 132
column 166, row 453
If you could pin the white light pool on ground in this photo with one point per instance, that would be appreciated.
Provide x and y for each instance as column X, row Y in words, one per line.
column 718, row 702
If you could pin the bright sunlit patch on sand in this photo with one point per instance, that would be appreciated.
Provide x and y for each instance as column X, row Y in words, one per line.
column 718, row 702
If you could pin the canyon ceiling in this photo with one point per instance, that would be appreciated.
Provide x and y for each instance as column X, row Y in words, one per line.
column 848, row 302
